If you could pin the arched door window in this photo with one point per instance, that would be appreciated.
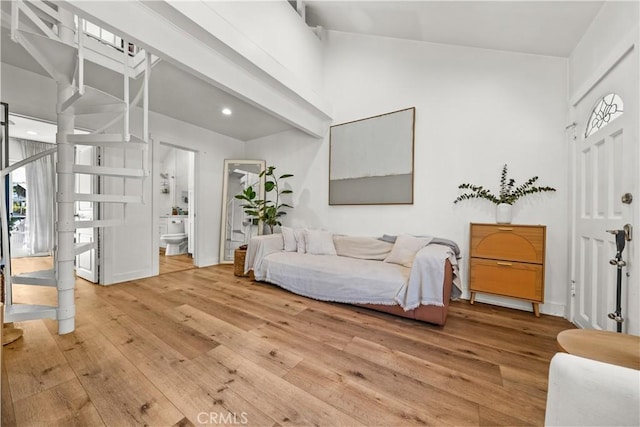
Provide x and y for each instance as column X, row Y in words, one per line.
column 606, row 110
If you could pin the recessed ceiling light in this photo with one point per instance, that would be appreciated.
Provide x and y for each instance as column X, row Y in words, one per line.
column 32, row 132
column 226, row 111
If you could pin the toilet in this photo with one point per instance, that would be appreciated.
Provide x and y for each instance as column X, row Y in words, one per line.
column 177, row 239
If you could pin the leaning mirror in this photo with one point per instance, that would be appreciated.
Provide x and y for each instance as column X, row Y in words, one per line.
column 237, row 228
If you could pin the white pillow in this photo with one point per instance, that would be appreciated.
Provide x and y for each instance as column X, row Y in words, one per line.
column 301, row 242
column 289, row 238
column 320, row 242
column 405, row 249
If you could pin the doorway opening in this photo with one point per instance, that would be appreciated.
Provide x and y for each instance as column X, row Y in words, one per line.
column 32, row 191
column 31, row 204
column 176, row 208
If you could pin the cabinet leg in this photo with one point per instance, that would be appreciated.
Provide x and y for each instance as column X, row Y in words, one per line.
column 473, row 297
column 536, row 309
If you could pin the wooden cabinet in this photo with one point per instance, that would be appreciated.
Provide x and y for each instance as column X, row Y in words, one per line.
column 508, row 260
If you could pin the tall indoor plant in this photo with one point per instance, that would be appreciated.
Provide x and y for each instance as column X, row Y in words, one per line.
column 507, row 196
column 264, row 210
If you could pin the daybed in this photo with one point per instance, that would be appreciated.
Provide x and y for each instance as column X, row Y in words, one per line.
column 413, row 277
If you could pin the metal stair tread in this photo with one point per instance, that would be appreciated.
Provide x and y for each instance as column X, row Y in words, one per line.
column 109, row 171
column 62, row 57
column 106, row 139
column 106, row 198
column 40, row 278
column 93, row 97
column 83, row 247
column 97, row 223
column 21, row 312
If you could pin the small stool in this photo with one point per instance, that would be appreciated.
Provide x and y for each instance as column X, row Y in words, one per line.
column 239, row 256
column 604, row 346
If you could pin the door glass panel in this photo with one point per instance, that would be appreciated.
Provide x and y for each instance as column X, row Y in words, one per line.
column 606, row 110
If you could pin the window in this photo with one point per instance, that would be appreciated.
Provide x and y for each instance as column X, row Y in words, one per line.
column 606, row 110
column 106, row 37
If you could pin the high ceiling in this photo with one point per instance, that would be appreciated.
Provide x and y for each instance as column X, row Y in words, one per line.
column 537, row 27
column 534, row 27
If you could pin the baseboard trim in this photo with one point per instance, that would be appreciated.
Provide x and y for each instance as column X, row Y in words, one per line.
column 550, row 308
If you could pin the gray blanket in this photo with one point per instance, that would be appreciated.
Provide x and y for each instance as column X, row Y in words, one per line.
column 389, row 238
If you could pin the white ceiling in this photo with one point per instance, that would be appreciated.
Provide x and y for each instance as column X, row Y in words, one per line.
column 25, row 128
column 536, row 27
column 177, row 94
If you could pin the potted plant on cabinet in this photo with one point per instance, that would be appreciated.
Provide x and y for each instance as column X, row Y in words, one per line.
column 266, row 211
column 507, row 196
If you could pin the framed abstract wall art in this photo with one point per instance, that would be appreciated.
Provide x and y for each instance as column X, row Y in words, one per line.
column 371, row 160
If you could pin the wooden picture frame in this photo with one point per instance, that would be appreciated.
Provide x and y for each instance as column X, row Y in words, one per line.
column 371, row 160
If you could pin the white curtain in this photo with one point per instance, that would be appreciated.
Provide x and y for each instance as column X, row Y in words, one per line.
column 40, row 192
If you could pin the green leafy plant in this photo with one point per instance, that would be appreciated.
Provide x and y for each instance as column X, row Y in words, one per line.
column 267, row 211
column 509, row 193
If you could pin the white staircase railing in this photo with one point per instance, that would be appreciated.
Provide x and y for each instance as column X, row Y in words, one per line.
column 52, row 37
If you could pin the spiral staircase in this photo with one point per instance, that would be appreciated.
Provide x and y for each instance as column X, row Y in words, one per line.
column 55, row 38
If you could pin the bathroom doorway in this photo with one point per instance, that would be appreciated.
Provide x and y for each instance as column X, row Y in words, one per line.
column 176, row 208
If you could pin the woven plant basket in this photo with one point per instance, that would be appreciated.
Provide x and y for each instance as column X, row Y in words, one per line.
column 238, row 262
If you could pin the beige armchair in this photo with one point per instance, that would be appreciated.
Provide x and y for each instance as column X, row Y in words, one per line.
column 584, row 392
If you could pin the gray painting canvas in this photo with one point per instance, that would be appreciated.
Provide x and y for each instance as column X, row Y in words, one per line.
column 371, row 160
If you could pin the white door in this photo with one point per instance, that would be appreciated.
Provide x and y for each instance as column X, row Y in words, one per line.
column 86, row 262
column 606, row 164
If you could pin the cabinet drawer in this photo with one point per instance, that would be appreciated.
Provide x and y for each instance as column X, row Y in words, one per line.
column 508, row 242
column 505, row 278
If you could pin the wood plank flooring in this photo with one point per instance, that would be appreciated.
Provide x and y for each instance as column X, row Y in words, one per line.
column 171, row 264
column 204, row 347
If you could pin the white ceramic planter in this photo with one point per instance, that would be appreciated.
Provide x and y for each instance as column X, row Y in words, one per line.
column 503, row 213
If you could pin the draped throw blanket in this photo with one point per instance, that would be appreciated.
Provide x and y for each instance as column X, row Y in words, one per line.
column 354, row 280
column 425, row 279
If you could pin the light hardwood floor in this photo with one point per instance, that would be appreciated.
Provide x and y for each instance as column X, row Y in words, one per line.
column 171, row 264
column 166, row 264
column 203, row 347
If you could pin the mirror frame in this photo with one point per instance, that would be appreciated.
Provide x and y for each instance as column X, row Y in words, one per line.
column 262, row 164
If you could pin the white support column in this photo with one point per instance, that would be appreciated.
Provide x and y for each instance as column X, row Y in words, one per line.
column 81, row 56
column 301, row 9
column 4, row 222
column 66, row 187
column 127, row 108
column 145, row 122
column 125, row 75
column 15, row 19
column 145, row 99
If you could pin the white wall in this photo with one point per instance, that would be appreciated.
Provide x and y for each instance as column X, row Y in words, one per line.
column 176, row 165
column 475, row 110
column 269, row 33
column 615, row 20
column 26, row 92
column 182, row 179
